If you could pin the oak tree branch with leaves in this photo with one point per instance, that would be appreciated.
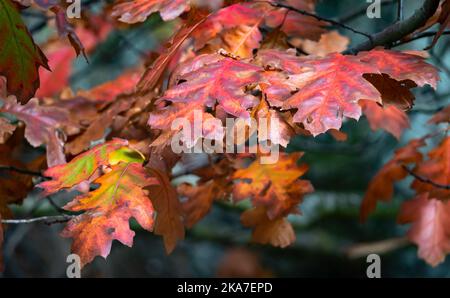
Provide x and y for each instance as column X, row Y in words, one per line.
column 273, row 59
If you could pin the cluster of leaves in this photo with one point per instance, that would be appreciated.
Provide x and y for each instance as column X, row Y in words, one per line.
column 227, row 59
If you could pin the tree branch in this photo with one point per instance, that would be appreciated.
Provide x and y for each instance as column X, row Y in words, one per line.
column 333, row 22
column 420, row 36
column 49, row 220
column 424, row 179
column 399, row 29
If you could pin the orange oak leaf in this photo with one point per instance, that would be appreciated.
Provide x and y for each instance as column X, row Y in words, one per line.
column 277, row 129
column 136, row 11
column 389, row 118
column 81, row 168
column 20, row 57
column 275, row 186
column 277, row 232
column 240, row 41
column 42, row 126
column 221, row 82
column 437, row 169
column 381, row 187
column 169, row 212
column 430, row 226
column 108, row 209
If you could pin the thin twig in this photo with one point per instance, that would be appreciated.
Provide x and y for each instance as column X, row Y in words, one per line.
column 420, row 36
column 424, row 179
column 333, row 22
column 53, row 219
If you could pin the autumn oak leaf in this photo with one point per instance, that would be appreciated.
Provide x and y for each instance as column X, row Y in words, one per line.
column 275, row 186
column 329, row 88
column 81, row 168
column 381, row 188
column 108, row 209
column 221, row 82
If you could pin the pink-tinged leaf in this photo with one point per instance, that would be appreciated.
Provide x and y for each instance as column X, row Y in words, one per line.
column 136, row 11
column 430, row 226
column 390, row 118
column 108, row 209
column 329, row 89
column 42, row 126
column 221, row 82
column 402, row 66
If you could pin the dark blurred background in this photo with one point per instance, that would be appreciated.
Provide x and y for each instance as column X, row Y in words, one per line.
column 330, row 240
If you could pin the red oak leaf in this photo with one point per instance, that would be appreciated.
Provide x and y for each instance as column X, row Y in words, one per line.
column 402, row 66
column 430, row 229
column 221, row 82
column 329, row 89
column 108, row 209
